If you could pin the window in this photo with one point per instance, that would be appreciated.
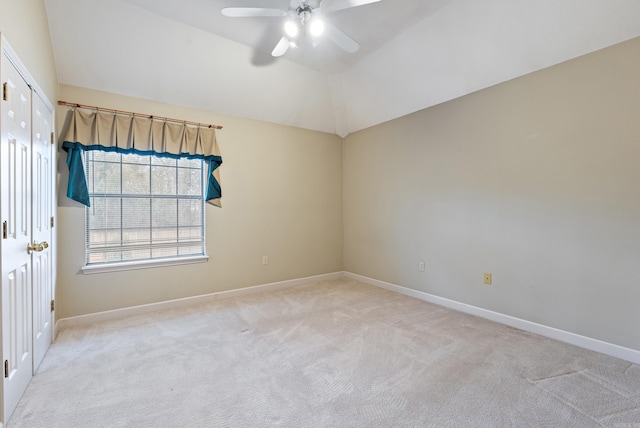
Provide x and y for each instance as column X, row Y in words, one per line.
column 143, row 208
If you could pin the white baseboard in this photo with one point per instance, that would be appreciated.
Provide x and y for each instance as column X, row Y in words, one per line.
column 606, row 348
column 610, row 349
column 187, row 301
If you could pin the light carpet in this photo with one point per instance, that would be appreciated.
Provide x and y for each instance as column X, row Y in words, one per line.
column 329, row 354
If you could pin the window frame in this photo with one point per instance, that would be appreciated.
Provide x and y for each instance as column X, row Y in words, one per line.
column 123, row 265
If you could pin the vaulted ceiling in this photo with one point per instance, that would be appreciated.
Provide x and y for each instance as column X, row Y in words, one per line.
column 413, row 53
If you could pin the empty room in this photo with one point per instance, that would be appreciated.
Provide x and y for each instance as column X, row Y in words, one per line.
column 320, row 213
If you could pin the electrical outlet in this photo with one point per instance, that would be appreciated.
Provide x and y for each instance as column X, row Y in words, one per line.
column 487, row 278
column 421, row 266
column 265, row 260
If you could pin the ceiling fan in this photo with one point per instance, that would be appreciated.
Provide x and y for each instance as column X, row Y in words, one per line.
column 304, row 19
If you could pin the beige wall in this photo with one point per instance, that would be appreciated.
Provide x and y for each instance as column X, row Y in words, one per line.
column 282, row 197
column 24, row 24
column 536, row 180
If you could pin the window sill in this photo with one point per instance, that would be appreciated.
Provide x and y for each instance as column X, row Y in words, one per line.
column 143, row 264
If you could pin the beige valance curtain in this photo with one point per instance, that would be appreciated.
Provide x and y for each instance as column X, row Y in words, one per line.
column 142, row 134
column 110, row 131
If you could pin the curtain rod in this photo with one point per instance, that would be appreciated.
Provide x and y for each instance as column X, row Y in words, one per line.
column 131, row 113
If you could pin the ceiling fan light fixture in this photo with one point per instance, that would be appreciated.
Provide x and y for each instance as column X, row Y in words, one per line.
column 316, row 27
column 291, row 29
column 305, row 19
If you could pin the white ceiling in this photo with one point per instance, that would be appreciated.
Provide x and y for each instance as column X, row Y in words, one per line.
column 414, row 53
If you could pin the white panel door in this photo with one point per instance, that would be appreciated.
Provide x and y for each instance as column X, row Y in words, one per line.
column 42, row 212
column 15, row 208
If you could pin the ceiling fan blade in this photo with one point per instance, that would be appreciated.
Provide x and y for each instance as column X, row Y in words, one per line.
column 248, row 12
column 341, row 39
column 336, row 5
column 281, row 47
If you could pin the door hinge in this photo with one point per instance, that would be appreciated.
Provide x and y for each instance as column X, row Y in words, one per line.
column 4, row 230
column 5, row 91
column 53, row 305
column 6, row 368
column 52, row 137
column 52, row 223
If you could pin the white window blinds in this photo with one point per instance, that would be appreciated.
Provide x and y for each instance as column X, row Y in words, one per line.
column 143, row 207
